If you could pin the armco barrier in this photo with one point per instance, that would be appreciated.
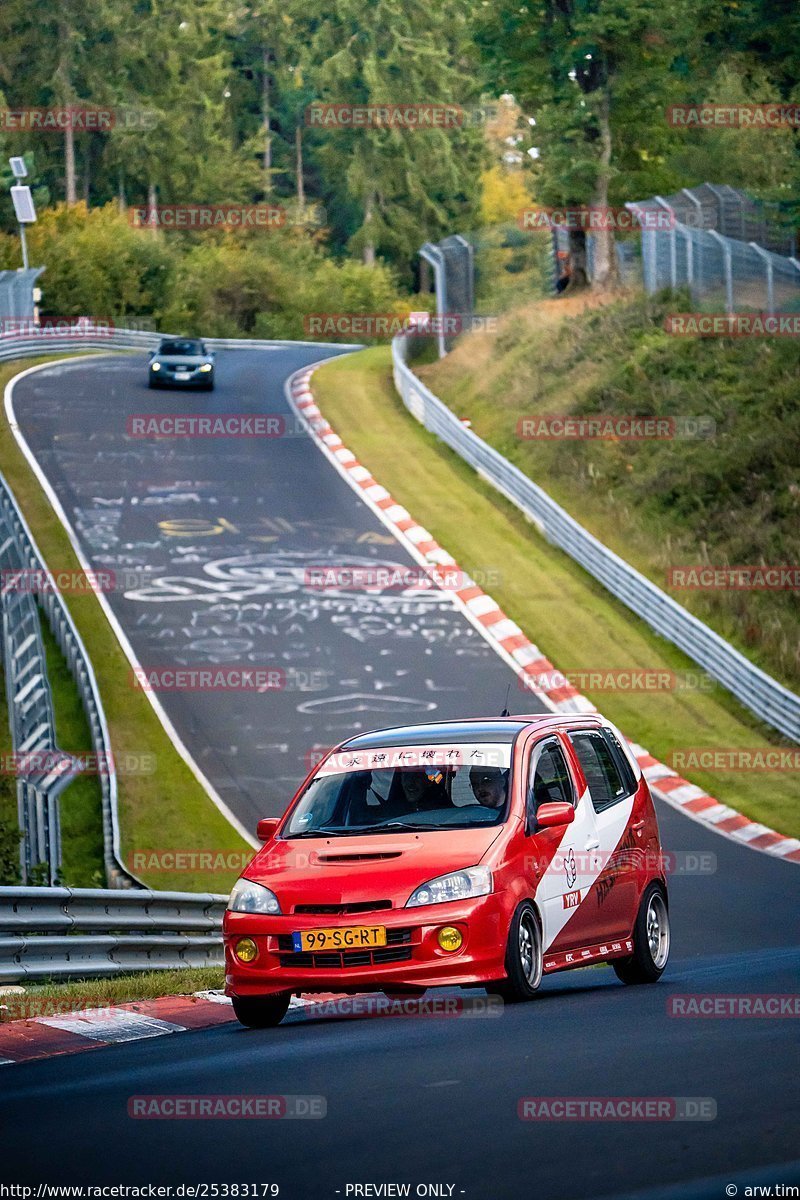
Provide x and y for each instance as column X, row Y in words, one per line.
column 62, row 933
column 31, row 710
column 758, row 691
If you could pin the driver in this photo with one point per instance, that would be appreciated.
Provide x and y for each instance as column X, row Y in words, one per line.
column 418, row 791
column 489, row 786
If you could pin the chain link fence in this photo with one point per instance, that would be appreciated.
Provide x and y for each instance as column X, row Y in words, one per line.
column 721, row 273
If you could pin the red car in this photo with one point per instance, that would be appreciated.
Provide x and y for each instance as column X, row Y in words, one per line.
column 477, row 852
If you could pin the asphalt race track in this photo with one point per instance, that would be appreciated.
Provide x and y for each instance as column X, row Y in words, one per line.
column 409, row 1100
column 211, row 539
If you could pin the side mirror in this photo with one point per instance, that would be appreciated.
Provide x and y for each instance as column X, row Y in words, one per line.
column 555, row 813
column 267, row 826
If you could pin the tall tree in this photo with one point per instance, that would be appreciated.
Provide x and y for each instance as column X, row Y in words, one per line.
column 598, row 75
column 391, row 188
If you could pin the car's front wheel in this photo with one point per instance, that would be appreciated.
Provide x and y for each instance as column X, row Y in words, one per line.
column 261, row 1012
column 651, row 940
column 523, row 957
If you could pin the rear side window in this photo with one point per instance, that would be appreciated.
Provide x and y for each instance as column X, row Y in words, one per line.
column 608, row 775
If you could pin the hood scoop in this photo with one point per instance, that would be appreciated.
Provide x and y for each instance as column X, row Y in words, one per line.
column 363, row 856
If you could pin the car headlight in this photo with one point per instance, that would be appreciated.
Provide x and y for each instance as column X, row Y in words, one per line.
column 155, row 366
column 206, row 367
column 459, row 885
column 249, row 897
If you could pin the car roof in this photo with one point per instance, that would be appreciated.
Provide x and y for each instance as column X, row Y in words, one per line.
column 470, row 729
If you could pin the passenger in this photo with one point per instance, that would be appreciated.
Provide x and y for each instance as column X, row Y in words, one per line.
column 489, row 786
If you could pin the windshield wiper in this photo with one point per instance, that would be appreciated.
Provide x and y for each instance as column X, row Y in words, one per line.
column 391, row 825
column 306, row 833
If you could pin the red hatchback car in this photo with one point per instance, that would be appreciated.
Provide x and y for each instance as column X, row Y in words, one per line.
column 478, row 852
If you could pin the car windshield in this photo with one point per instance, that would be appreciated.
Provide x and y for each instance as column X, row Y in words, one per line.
column 395, row 789
column 184, row 347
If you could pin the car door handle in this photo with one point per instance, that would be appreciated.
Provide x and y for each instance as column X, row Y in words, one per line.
column 593, row 844
column 637, row 825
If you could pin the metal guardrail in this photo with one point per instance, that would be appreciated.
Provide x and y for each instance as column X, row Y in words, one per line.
column 30, row 706
column 62, row 933
column 759, row 692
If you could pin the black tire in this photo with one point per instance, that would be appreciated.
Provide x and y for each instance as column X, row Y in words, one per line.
column 261, row 1012
column 524, row 956
column 651, row 940
column 151, row 383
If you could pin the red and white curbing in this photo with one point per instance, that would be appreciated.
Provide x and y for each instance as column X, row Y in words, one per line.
column 506, row 637
column 92, row 1028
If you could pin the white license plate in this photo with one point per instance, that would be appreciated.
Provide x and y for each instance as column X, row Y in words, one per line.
column 182, row 375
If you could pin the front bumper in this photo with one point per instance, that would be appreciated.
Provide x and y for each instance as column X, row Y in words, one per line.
column 196, row 379
column 412, row 957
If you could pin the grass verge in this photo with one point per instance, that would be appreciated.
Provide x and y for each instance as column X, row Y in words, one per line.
column 81, row 802
column 52, row 999
column 164, row 811
column 560, row 607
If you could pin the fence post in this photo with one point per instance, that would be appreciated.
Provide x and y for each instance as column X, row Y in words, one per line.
column 767, row 259
column 433, row 255
column 715, row 192
column 727, row 259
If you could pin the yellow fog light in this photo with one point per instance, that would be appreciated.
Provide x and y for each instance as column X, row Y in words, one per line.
column 245, row 950
column 449, row 938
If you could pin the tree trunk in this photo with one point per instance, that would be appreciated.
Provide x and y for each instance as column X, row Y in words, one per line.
column 298, row 155
column 604, row 267
column 70, row 192
column 63, row 80
column 368, row 253
column 265, row 113
column 152, row 201
column 87, row 169
column 121, row 198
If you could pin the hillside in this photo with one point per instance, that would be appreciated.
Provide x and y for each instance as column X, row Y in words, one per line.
column 730, row 498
